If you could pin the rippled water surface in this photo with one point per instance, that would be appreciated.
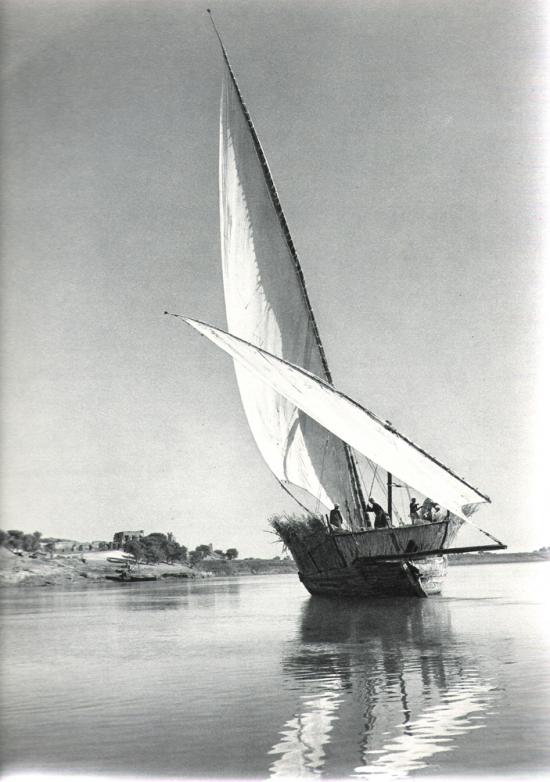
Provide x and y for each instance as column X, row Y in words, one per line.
column 251, row 677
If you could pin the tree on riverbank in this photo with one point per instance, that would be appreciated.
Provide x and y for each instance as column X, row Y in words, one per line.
column 16, row 540
column 198, row 554
column 157, row 547
column 152, row 548
column 205, row 551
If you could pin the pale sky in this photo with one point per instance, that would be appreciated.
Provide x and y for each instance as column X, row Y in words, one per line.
column 405, row 140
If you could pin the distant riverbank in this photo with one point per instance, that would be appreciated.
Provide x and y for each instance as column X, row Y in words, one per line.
column 93, row 568
column 248, row 567
column 488, row 558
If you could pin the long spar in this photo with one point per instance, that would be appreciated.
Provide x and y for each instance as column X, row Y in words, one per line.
column 350, row 458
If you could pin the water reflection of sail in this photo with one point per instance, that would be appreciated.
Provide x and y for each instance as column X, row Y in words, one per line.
column 428, row 735
column 303, row 739
column 391, row 675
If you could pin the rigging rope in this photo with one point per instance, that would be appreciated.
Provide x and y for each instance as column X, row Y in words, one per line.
column 408, row 510
column 318, row 504
column 487, row 534
column 373, row 479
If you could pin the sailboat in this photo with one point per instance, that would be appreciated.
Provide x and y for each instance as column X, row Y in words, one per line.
column 310, row 434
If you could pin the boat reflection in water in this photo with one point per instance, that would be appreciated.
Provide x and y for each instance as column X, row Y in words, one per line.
column 386, row 688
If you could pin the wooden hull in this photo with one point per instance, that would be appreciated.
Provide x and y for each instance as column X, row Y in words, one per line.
column 362, row 579
column 352, row 564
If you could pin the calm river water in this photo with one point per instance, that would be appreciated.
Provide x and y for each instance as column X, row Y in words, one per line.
column 252, row 678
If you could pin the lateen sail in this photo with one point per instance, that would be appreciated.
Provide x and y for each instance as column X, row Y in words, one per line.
column 267, row 305
column 350, row 422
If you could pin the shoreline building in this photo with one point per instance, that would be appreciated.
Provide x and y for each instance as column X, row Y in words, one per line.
column 121, row 538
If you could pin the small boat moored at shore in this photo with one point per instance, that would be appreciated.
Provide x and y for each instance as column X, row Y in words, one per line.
column 122, row 560
column 125, row 577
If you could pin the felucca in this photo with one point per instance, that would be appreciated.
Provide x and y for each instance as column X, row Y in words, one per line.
column 310, row 434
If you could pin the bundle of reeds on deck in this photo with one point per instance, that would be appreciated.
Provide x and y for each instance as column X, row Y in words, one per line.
column 291, row 527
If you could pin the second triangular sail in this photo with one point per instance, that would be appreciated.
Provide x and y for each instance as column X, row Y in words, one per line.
column 350, row 422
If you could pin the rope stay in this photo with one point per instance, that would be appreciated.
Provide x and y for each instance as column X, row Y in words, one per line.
column 484, row 532
column 318, row 504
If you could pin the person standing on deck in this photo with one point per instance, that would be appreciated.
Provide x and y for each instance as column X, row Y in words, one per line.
column 426, row 511
column 438, row 514
column 380, row 517
column 335, row 519
column 414, row 507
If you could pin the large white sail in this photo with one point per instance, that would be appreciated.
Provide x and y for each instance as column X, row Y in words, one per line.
column 350, row 422
column 267, row 304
